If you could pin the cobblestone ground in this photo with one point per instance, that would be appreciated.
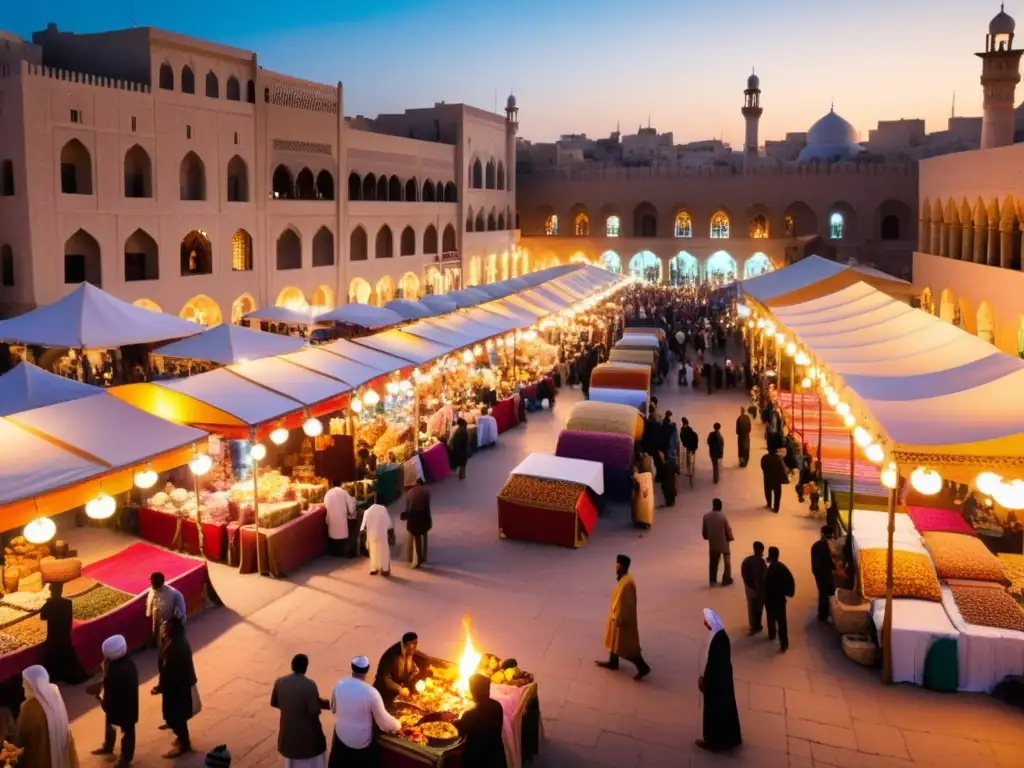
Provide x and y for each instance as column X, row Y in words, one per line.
column 546, row 607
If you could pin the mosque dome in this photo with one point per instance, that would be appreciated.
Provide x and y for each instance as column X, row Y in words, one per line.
column 831, row 138
column 1002, row 23
column 753, row 82
column 511, row 103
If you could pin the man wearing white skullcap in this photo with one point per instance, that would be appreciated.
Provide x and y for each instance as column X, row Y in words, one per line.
column 120, row 698
column 356, row 706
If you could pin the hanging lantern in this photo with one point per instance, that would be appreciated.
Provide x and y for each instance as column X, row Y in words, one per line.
column 843, row 409
column 530, row 335
column 201, row 464
column 490, row 344
column 392, row 388
column 467, row 357
column 806, row 383
column 1010, row 495
column 356, row 406
column 875, row 453
column 769, row 328
column 145, row 479
column 510, row 339
column 101, row 508
column 279, row 436
column 862, row 437
column 370, row 398
column 831, row 397
column 313, row 427
column 760, row 322
column 812, row 372
column 849, row 421
column 40, row 530
column 926, row 481
column 500, row 343
column 750, row 323
column 404, row 386
column 987, row 482
column 780, row 338
column 802, row 358
column 790, row 349
column 258, row 452
column 478, row 350
column 889, row 477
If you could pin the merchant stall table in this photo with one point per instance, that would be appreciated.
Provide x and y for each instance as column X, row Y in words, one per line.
column 547, row 511
column 284, row 549
column 176, row 532
column 436, row 466
column 506, row 413
column 427, row 736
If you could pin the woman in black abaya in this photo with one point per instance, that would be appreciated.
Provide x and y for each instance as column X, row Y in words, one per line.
column 721, row 720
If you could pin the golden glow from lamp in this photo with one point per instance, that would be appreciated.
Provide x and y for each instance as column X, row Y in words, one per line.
column 987, row 482
column 510, row 339
column 889, row 477
column 357, row 407
column 530, row 335
column 467, row 357
column 258, row 452
column 478, row 350
column 843, row 409
column 790, row 349
column 370, row 398
column 404, row 386
column 313, row 427
column 40, row 530
column 812, row 372
column 750, row 323
column 780, row 338
column 102, row 507
column 926, row 481
column 875, row 453
column 831, row 397
column 1010, row 495
column 862, row 437
column 392, row 388
column 849, row 421
column 490, row 344
column 146, row 478
column 760, row 322
column 500, row 343
column 279, row 436
column 806, row 383
column 802, row 358
column 201, row 464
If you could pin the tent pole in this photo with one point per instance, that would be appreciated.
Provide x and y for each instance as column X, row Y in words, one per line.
column 849, row 532
column 255, row 500
column 887, row 622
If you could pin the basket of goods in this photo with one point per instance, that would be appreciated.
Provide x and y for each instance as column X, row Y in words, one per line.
column 1013, row 567
column 913, row 575
column 988, row 606
column 439, row 733
column 850, row 613
column 964, row 557
column 542, row 492
column 54, row 570
column 98, row 601
column 860, row 649
column 505, row 672
column 11, row 613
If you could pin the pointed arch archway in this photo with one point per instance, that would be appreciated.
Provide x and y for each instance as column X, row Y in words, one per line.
column 203, row 310
column 292, row 298
column 611, row 261
column 241, row 307
column 721, row 268
column 646, row 266
column 758, row 264
column 359, row 291
column 683, row 269
column 149, row 304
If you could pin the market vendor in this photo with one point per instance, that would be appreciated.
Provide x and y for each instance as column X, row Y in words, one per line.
column 397, row 669
column 482, row 726
column 366, row 467
column 59, row 655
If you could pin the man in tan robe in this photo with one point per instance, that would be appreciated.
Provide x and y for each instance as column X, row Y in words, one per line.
column 622, row 633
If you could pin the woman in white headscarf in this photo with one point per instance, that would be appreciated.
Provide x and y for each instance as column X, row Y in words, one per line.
column 721, row 720
column 379, row 536
column 43, row 724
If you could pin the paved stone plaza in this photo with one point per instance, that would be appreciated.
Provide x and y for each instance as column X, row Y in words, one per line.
column 546, row 607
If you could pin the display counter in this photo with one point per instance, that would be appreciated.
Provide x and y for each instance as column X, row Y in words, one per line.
column 506, row 414
column 545, row 511
column 284, row 549
column 159, row 528
column 389, row 483
column 436, row 466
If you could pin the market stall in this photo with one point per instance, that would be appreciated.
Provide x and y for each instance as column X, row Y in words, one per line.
column 613, row 452
column 546, row 511
column 612, row 418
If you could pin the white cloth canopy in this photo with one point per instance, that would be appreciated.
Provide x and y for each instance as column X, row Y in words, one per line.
column 321, row 361
column 227, row 343
column 409, row 309
column 497, row 290
column 41, row 465
column 284, row 315
column 372, row 358
column 805, row 273
column 89, row 318
column 234, row 395
column 301, row 384
column 502, row 322
column 440, row 303
column 467, row 297
column 27, row 386
column 365, row 315
column 405, row 346
column 589, row 473
column 428, row 330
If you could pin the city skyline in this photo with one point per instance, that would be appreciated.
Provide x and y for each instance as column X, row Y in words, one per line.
column 573, row 76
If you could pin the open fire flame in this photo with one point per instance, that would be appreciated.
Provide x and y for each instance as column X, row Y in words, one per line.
column 468, row 662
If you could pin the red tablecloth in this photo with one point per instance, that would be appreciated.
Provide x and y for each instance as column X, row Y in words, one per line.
column 284, row 549
column 436, row 466
column 159, row 527
column 525, row 522
column 504, row 412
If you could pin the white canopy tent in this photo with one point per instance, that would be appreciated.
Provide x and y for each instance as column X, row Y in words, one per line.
column 364, row 315
column 41, row 465
column 405, row 346
column 27, row 386
column 380, row 361
column 227, row 344
column 449, row 337
column 440, row 303
column 272, row 314
column 293, row 381
column 321, row 361
column 234, row 395
column 813, row 277
column 410, row 310
column 89, row 318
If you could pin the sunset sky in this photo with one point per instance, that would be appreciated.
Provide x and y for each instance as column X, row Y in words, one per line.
column 582, row 66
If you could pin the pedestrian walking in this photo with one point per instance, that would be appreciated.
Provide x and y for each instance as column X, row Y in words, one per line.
column 743, row 437
column 300, row 737
column 458, row 448
column 824, row 569
column 717, row 533
column 752, row 571
column 622, row 632
column 774, row 475
column 118, row 693
column 418, row 521
column 721, row 721
column 716, row 449
column 778, row 587
column 178, row 686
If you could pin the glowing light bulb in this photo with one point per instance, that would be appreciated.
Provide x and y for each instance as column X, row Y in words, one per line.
column 875, row 453
column 926, row 481
column 1010, row 495
column 843, row 409
column 356, row 406
column 313, row 427
column 806, row 383
column 467, row 357
column 258, row 452
column 145, row 479
column 279, row 436
column 832, row 397
column 101, row 508
column 370, row 398
column 201, row 464
column 849, row 421
column 862, row 437
column 987, row 482
column 40, row 530
column 889, row 477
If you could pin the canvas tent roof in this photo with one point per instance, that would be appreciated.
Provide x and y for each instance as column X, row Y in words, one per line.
column 321, row 361
column 300, row 384
column 430, row 331
column 405, row 346
column 504, row 308
column 410, row 310
column 41, row 467
column 285, row 315
column 372, row 358
column 440, row 303
column 89, row 318
column 365, row 315
column 27, row 386
column 814, row 277
column 227, row 343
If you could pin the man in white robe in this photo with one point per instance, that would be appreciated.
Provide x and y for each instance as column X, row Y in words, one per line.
column 379, row 530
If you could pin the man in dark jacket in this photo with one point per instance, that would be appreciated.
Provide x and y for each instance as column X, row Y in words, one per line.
column 743, row 437
column 690, row 442
column 119, row 693
column 716, row 448
column 458, row 448
column 418, row 521
column 778, row 587
column 482, row 727
column 753, row 570
column 300, row 735
column 775, row 475
column 824, row 568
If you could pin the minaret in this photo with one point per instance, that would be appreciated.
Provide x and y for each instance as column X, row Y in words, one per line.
column 751, row 113
column 511, row 129
column 1000, row 73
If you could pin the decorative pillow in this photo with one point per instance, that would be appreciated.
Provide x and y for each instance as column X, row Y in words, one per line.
column 912, row 575
column 942, row 520
column 988, row 607
column 964, row 557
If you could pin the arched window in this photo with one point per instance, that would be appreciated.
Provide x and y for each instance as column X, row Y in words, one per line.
column 75, row 169
column 82, row 262
column 241, row 252
column 359, row 291
column 581, row 226
column 323, row 248
column 501, row 221
column 439, row 192
column 720, row 226
column 759, row 227
column 305, row 185
column 282, row 184
column 789, row 225
column 188, row 80
column 357, row 245
column 469, row 219
column 196, row 254
column 369, row 187
column 412, row 189
column 480, row 225
column 407, row 243
column 166, row 77
column 250, row 92
column 6, row 179
column 6, row 266
column 501, row 175
column 232, row 90
column 324, row 186
column 212, row 86
column 492, row 221
column 683, row 225
column 611, row 226
column 141, row 258
column 138, row 173
column 891, row 228
column 289, row 250
column 836, row 224
column 382, row 188
column 238, row 180
column 489, row 174
column 384, row 247
column 430, row 241
column 551, row 224
column 355, row 186
column 428, row 192
column 448, row 239
column 394, row 189
column 451, row 192
column 192, row 178
column 476, row 175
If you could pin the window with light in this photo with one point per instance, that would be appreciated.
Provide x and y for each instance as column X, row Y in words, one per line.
column 582, row 225
column 836, row 225
column 684, row 225
column 611, row 226
column 759, row 227
column 720, row 226
column 551, row 225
